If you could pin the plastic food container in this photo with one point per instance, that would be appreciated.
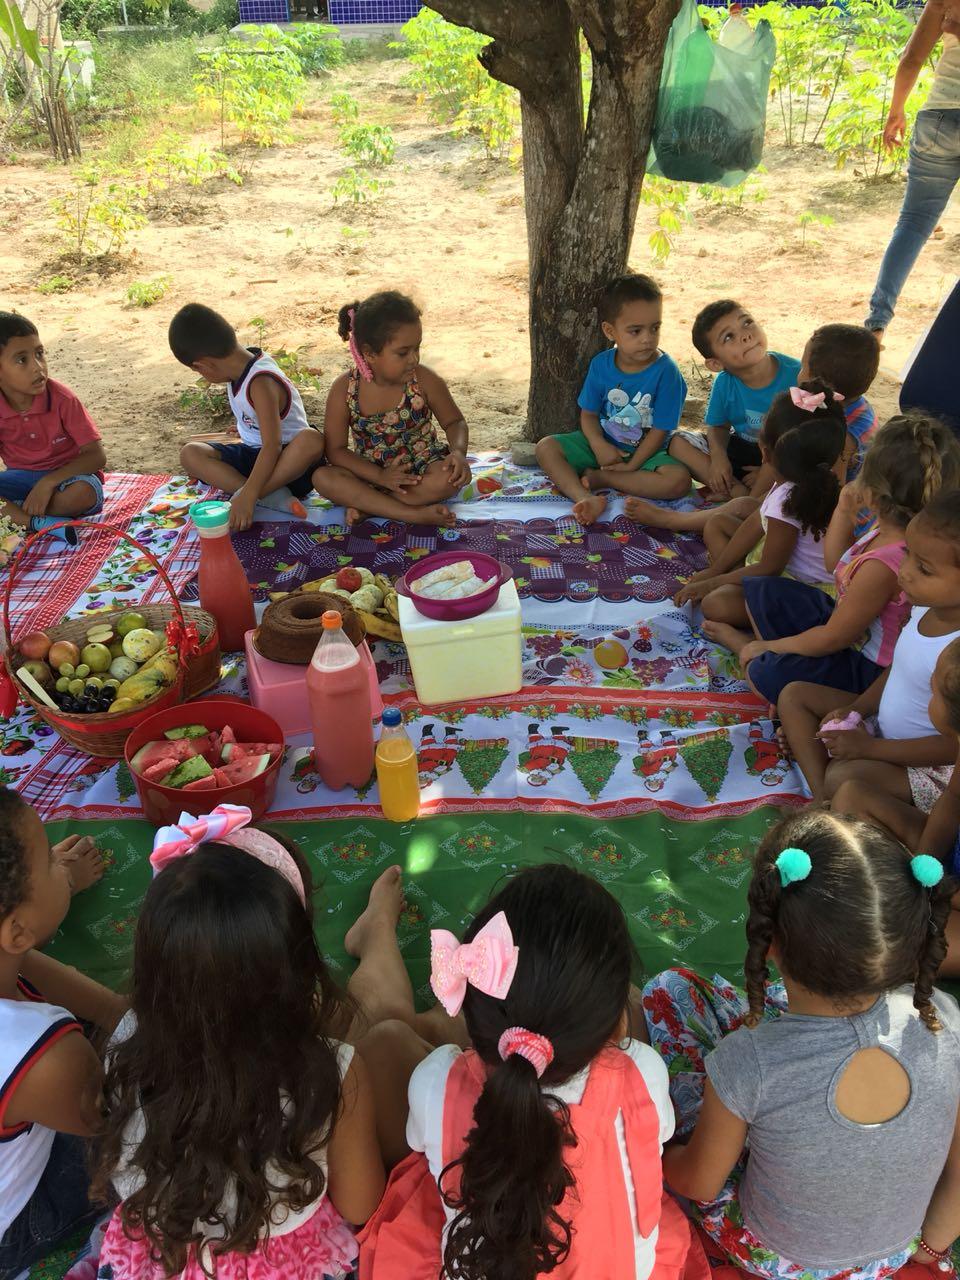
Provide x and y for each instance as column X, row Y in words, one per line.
column 163, row 805
column 485, row 567
column 476, row 657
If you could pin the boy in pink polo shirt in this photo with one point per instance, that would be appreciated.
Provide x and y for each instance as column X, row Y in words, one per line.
column 51, row 450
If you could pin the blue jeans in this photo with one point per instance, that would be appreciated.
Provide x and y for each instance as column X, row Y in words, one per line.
column 932, row 173
column 16, row 484
column 58, row 1207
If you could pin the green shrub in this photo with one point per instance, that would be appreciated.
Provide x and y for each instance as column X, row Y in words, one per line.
column 97, row 216
column 56, row 284
column 254, row 84
column 370, row 145
column 145, row 293
column 318, row 47
column 358, row 186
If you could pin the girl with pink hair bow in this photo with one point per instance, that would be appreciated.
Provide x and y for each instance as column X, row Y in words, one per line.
column 384, row 455
column 541, row 1143
column 240, row 1134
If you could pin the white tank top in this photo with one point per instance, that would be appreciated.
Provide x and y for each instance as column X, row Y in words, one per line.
column 945, row 92
column 293, row 416
column 906, row 695
column 28, row 1028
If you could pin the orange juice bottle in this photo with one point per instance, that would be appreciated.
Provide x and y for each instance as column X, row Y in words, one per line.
column 397, row 770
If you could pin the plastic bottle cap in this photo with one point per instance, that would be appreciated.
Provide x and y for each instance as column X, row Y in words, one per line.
column 211, row 514
column 391, row 717
column 331, row 620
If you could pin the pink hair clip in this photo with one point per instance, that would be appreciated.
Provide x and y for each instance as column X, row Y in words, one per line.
column 488, row 963
column 364, row 370
column 225, row 825
column 536, row 1049
column 811, row 401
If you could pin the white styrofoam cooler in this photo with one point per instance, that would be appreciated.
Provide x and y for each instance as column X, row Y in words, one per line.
column 476, row 658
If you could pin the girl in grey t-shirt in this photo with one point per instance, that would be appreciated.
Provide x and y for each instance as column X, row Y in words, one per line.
column 828, row 1137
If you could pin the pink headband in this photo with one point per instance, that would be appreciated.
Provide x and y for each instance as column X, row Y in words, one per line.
column 537, row 1049
column 488, row 963
column 225, row 824
column 811, row 401
column 366, row 373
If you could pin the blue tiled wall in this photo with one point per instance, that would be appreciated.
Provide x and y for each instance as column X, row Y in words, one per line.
column 264, row 11
column 345, row 11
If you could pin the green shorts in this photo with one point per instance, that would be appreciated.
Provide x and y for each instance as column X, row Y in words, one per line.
column 575, row 447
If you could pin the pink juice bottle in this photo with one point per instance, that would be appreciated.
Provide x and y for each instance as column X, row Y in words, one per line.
column 224, row 589
column 339, row 691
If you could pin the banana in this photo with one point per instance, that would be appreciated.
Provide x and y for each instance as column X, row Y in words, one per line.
column 383, row 582
column 376, row 625
column 278, row 595
column 392, row 605
column 164, row 662
column 144, row 685
column 319, row 584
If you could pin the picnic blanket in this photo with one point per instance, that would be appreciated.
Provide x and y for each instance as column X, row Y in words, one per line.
column 634, row 750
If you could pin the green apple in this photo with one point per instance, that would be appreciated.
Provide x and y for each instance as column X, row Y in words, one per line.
column 123, row 668
column 128, row 622
column 96, row 656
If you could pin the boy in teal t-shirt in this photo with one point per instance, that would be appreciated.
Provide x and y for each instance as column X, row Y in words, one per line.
column 630, row 405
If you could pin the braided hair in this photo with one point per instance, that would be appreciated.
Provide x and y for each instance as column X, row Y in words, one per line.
column 910, row 459
column 859, row 924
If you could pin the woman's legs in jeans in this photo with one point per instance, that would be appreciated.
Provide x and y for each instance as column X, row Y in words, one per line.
column 932, row 173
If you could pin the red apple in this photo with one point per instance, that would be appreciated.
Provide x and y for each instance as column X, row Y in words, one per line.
column 35, row 645
column 349, row 579
column 63, row 651
column 40, row 672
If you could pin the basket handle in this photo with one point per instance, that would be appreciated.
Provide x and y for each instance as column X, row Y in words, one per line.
column 82, row 524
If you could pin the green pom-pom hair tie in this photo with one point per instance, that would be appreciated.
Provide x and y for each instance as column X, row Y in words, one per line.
column 929, row 871
column 793, row 865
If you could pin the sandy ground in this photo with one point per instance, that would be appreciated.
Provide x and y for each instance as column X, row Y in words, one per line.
column 451, row 230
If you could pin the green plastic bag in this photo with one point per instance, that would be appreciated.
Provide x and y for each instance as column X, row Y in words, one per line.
column 712, row 107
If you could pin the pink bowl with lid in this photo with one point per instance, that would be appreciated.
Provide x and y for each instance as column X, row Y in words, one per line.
column 490, row 571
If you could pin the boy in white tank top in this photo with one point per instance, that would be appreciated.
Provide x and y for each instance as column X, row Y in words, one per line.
column 49, row 1072
column 278, row 450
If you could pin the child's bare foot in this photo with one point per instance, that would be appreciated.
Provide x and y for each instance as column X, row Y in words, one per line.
column 82, row 859
column 354, row 516
column 437, row 513
column 646, row 512
column 589, row 509
column 783, row 742
column 725, row 634
column 382, row 911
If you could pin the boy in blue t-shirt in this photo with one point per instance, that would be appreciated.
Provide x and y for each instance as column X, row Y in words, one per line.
column 630, row 405
column 749, row 376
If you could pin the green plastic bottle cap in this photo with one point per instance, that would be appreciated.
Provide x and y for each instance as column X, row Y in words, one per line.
column 212, row 514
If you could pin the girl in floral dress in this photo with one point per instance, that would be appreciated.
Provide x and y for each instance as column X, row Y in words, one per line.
column 383, row 454
column 824, row 1109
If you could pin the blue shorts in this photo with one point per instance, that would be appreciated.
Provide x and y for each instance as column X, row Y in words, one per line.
column 58, row 1208
column 15, row 485
column 784, row 607
column 242, row 457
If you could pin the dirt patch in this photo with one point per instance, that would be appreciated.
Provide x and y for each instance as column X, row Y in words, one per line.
column 450, row 229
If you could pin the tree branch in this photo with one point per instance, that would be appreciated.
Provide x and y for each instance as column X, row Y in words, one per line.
column 512, row 21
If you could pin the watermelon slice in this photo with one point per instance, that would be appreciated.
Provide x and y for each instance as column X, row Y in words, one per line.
column 202, row 784
column 242, row 770
column 151, row 752
column 227, row 734
column 158, row 771
column 236, row 750
column 186, row 731
column 188, row 771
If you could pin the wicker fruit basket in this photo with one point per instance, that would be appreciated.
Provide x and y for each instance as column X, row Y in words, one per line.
column 192, row 632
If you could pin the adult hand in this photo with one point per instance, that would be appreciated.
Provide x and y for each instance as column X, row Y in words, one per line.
column 455, row 465
column 39, row 497
column 849, row 744
column 397, row 477
column 720, row 475
column 895, row 130
column 242, row 505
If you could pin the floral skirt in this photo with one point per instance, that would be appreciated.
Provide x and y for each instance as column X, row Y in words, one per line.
column 687, row 1017
column 323, row 1246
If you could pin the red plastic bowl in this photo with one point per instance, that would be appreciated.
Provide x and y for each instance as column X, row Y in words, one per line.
column 164, row 805
column 485, row 567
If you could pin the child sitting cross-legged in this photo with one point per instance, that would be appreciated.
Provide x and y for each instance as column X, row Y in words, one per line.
column 802, row 634
column 630, row 404
column 810, row 1101
column 385, row 456
column 802, row 444
column 278, row 449
column 239, row 1132
column 884, row 738
column 51, row 450
column 49, row 1072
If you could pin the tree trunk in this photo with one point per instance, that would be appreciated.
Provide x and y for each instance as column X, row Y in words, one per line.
column 581, row 183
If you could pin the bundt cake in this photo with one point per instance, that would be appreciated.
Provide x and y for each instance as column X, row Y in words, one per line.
column 290, row 629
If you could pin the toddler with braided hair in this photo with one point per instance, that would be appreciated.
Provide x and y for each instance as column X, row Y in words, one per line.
column 823, row 1108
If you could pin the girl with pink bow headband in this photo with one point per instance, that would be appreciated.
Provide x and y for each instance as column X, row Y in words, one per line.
column 524, row 1146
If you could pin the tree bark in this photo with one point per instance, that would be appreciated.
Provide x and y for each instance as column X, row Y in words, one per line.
column 581, row 181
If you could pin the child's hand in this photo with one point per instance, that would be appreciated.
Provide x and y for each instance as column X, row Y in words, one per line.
column 851, row 499
column 241, row 509
column 455, row 464
column 38, row 499
column 397, row 477
column 694, row 591
column 720, row 475
column 623, row 465
column 840, row 713
column 606, row 454
column 751, row 650
column 849, row 744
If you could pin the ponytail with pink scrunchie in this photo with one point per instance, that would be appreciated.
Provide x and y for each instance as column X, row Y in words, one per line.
column 364, row 370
